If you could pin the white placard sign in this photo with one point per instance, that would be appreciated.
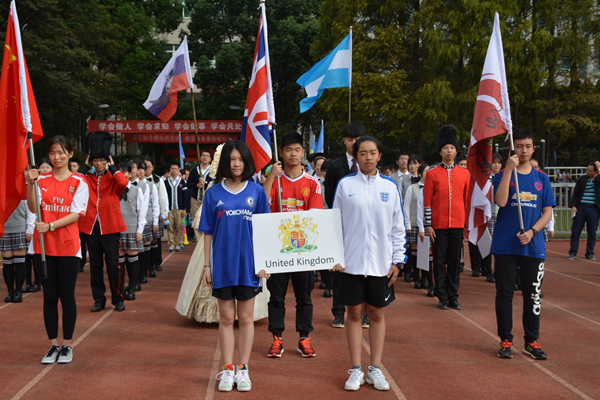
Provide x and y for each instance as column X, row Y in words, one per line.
column 297, row 241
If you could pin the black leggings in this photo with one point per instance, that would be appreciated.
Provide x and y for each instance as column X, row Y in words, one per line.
column 62, row 276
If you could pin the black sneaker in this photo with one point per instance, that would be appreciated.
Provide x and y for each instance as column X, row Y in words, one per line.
column 535, row 351
column 443, row 305
column 338, row 322
column 431, row 292
column 505, row 350
column 490, row 278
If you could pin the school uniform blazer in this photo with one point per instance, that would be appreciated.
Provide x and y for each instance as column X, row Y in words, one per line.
column 372, row 224
column 104, row 201
column 580, row 189
column 338, row 169
column 183, row 202
column 194, row 180
column 445, row 196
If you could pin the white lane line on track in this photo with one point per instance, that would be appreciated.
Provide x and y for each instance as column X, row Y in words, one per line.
column 570, row 312
column 389, row 378
column 212, row 381
column 578, row 259
column 529, row 359
column 39, row 377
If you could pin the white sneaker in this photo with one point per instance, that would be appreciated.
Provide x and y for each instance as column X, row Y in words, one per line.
column 242, row 381
column 357, row 378
column 66, row 355
column 226, row 377
column 52, row 355
column 376, row 378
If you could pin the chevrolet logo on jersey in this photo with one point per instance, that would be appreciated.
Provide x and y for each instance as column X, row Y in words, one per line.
column 526, row 196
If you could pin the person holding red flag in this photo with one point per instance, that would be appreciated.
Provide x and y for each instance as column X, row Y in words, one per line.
column 63, row 199
column 18, row 117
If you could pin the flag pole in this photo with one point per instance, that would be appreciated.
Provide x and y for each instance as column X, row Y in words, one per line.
column 276, row 160
column 350, row 82
column 37, row 206
column 518, row 193
column 195, row 124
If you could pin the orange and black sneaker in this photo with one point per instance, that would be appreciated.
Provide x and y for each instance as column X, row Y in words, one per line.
column 305, row 348
column 276, row 348
column 505, row 349
column 535, row 351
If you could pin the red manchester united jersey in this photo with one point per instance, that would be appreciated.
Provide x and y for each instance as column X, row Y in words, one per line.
column 299, row 194
column 57, row 200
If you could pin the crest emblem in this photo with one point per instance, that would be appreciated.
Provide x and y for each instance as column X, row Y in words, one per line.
column 71, row 189
column 305, row 192
column 298, row 236
column 130, row 200
column 384, row 196
column 538, row 186
column 250, row 201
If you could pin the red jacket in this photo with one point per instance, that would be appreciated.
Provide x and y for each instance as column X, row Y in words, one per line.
column 445, row 196
column 105, row 194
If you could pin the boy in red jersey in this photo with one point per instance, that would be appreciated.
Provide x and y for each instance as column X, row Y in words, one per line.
column 299, row 192
column 444, row 201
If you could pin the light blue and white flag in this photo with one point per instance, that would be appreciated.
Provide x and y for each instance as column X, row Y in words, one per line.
column 335, row 70
column 181, row 152
column 321, row 142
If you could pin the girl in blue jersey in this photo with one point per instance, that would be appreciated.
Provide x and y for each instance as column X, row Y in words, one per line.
column 374, row 237
column 226, row 222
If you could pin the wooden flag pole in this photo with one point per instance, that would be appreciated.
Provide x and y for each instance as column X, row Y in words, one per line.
column 37, row 205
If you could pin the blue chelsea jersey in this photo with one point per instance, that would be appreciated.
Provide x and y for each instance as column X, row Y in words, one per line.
column 228, row 217
column 536, row 193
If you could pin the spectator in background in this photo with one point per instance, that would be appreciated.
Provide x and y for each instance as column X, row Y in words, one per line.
column 402, row 163
column 74, row 164
column 384, row 170
column 585, row 209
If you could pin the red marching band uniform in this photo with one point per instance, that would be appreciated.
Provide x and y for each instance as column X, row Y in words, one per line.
column 451, row 187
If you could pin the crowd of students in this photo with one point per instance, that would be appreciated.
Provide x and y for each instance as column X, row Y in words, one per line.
column 120, row 210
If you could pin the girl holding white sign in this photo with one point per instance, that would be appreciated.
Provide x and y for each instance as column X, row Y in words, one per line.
column 374, row 238
column 226, row 222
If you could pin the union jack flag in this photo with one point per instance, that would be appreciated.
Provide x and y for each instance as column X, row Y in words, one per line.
column 260, row 111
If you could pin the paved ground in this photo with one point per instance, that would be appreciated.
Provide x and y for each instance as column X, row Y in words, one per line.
column 150, row 351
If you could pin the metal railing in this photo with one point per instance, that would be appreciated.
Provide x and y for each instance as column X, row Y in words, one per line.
column 562, row 212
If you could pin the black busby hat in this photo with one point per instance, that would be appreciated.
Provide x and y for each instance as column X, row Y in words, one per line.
column 100, row 145
column 447, row 135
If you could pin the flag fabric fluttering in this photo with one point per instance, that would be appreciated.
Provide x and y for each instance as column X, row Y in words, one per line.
column 181, row 152
column 259, row 114
column 176, row 76
column 19, row 116
column 318, row 148
column 335, row 70
column 491, row 118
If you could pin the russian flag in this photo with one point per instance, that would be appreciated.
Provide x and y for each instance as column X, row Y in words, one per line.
column 260, row 111
column 176, row 76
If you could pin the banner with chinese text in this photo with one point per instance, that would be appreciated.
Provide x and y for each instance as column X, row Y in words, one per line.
column 167, row 127
column 212, row 138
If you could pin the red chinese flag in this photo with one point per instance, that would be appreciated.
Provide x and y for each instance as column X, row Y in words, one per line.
column 18, row 115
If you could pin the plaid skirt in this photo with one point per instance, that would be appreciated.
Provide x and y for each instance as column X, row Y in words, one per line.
column 147, row 233
column 414, row 235
column 161, row 226
column 491, row 224
column 13, row 241
column 128, row 242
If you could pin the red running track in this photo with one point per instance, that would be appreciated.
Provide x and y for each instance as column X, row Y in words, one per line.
column 149, row 351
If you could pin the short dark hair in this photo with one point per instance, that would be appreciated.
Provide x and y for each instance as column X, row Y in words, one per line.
column 414, row 158
column 62, row 141
column 206, row 151
column 325, row 165
column 498, row 156
column 74, row 159
column 291, row 138
column 141, row 165
column 422, row 168
column 362, row 139
column 166, row 171
column 459, row 159
column 402, row 153
column 124, row 166
column 174, row 163
column 224, row 168
column 354, row 129
column 523, row 133
column 593, row 164
column 44, row 160
column 184, row 171
column 148, row 158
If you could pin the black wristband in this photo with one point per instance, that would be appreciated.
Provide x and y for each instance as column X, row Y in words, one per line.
column 534, row 231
